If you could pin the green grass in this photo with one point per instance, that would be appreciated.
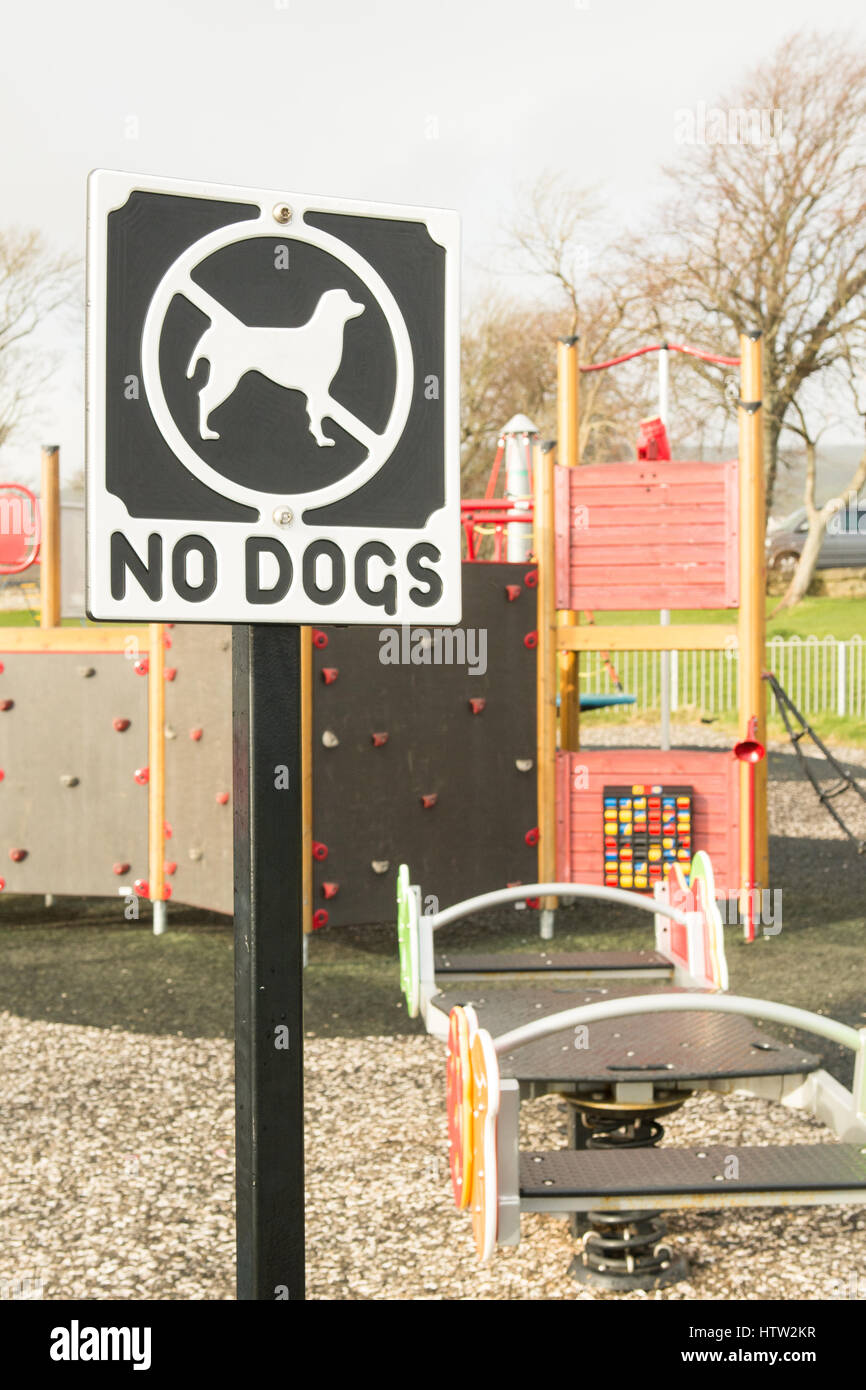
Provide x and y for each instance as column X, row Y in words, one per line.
column 19, row 617
column 821, row 617
column 845, row 731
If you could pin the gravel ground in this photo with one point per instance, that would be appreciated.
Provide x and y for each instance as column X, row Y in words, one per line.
column 103, row 1199
column 388, row 1229
column 116, row 1154
column 116, row 1140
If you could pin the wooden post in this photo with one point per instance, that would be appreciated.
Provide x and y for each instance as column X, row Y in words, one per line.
column 752, row 623
column 156, row 775
column 568, row 454
column 49, row 547
column 307, row 775
column 546, row 678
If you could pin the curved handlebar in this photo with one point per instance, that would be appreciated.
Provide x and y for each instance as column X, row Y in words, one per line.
column 682, row 1003
column 553, row 890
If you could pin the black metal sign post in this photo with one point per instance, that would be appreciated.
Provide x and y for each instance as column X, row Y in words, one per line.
column 266, row 690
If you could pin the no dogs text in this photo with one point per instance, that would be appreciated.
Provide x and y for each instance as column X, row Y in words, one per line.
column 270, row 570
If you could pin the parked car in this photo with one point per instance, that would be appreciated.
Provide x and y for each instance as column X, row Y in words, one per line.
column 843, row 547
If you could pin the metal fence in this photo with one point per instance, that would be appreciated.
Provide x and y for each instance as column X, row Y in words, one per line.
column 821, row 675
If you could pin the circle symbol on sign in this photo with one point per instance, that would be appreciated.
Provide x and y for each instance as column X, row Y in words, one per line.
column 304, row 358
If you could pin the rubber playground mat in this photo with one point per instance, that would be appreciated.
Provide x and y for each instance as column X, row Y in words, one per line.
column 80, row 962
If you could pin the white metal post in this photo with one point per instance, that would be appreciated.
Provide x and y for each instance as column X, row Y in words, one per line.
column 520, row 436
column 841, row 677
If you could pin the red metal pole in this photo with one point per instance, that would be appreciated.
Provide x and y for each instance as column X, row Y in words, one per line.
column 750, row 752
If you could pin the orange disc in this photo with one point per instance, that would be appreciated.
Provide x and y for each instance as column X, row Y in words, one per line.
column 485, row 1109
column 459, row 1102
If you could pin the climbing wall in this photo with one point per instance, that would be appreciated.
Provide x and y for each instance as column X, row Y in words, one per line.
column 198, row 765
column 73, row 781
column 426, row 763
column 428, row 757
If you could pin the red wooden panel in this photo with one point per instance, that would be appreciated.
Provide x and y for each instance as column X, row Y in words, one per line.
column 581, row 777
column 648, row 536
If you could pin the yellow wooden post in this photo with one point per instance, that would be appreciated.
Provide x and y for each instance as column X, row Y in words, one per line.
column 568, row 454
column 49, row 545
column 752, row 624
column 546, row 679
column 156, row 774
column 307, row 774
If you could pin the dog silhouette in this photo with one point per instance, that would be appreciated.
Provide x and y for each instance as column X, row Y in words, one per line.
column 305, row 358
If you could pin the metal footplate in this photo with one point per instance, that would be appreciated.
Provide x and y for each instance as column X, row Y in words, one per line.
column 574, row 965
column 713, row 1176
column 657, row 1050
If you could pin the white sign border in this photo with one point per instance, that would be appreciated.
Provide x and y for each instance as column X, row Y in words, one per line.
column 110, row 190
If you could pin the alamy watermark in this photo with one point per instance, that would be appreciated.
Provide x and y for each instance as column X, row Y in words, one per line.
column 849, row 518
column 853, row 1286
column 26, row 1285
column 764, row 909
column 731, row 125
column 436, row 646
column 19, row 516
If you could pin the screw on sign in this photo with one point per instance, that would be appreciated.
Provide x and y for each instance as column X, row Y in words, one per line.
column 19, row 528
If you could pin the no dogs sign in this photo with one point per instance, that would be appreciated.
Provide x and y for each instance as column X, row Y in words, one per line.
column 273, row 427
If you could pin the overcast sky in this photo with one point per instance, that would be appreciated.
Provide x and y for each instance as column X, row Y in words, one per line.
column 444, row 104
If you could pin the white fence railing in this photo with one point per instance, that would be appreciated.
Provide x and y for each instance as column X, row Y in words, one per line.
column 821, row 675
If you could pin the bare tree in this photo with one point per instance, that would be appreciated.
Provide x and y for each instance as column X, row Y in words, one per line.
column 34, row 283
column 554, row 237
column 550, row 233
column 766, row 226
column 508, row 365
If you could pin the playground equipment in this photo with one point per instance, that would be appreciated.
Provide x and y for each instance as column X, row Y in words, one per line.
column 436, row 741
column 625, row 1038
column 650, row 536
column 73, row 738
column 487, row 1075
column 689, row 940
column 846, row 782
column 750, row 752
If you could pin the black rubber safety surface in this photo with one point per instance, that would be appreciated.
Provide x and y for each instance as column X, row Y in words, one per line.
column 720, row 1168
column 651, row 1047
column 521, row 962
